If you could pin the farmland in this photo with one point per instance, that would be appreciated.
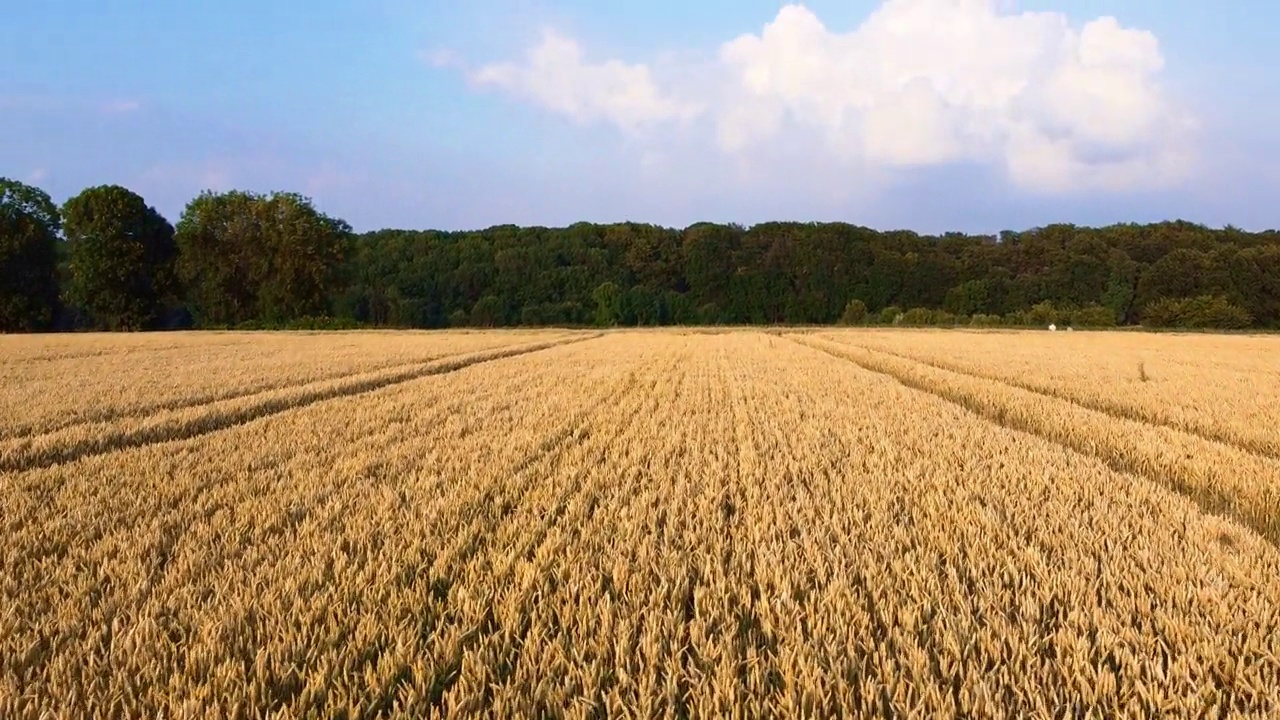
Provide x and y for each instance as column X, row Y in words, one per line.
column 650, row 523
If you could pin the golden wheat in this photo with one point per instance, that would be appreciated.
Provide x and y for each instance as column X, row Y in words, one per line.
column 1223, row 478
column 50, row 383
column 1226, row 388
column 635, row 525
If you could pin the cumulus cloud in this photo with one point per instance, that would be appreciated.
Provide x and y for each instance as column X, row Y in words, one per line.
column 555, row 74
column 1054, row 105
column 927, row 82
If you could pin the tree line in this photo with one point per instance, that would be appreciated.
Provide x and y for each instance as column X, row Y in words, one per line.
column 107, row 260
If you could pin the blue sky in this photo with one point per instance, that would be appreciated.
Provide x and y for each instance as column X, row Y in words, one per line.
column 971, row 115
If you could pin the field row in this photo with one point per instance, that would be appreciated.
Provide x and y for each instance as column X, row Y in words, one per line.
column 1222, row 478
column 1225, row 389
column 185, row 421
column 638, row 525
column 52, row 383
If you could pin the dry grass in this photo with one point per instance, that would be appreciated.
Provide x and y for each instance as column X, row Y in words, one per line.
column 644, row 525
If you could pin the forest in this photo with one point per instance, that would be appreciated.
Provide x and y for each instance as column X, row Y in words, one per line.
column 106, row 260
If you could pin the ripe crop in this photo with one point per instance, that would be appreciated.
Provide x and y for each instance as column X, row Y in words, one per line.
column 639, row 524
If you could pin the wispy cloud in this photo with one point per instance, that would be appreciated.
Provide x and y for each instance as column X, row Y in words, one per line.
column 120, row 107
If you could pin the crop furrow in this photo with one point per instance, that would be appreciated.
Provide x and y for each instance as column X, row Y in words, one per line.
column 1120, row 411
column 105, row 415
column 1221, row 479
column 55, row 449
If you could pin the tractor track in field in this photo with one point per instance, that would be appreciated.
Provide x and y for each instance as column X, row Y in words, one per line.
column 74, row 443
column 1115, row 410
column 110, row 415
column 1198, row 469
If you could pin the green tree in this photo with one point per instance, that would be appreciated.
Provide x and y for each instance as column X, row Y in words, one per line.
column 679, row 308
column 967, row 298
column 709, row 314
column 29, row 226
column 487, row 312
column 1044, row 314
column 1260, row 279
column 804, row 273
column 1202, row 311
column 708, row 251
column 1182, row 273
column 642, row 306
column 890, row 316
column 217, row 236
column 917, row 316
column 121, row 255
column 304, row 269
column 273, row 258
column 1121, row 287
column 855, row 313
column 1094, row 316
column 608, row 300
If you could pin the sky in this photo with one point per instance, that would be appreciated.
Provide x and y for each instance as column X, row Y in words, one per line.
column 929, row 115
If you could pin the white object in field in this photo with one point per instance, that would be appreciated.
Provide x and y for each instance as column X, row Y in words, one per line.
column 1070, row 329
column 1053, row 328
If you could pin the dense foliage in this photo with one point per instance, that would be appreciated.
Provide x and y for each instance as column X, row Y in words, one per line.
column 240, row 259
column 811, row 273
column 268, row 258
column 29, row 226
column 121, row 253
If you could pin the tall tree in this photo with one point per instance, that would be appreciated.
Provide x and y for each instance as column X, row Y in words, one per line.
column 29, row 226
column 218, row 235
column 308, row 258
column 608, row 300
column 121, row 256
column 273, row 257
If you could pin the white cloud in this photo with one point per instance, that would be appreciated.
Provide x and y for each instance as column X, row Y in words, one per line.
column 37, row 176
column 555, row 75
column 1056, row 106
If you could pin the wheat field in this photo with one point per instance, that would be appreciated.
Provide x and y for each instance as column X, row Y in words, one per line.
column 640, row 524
